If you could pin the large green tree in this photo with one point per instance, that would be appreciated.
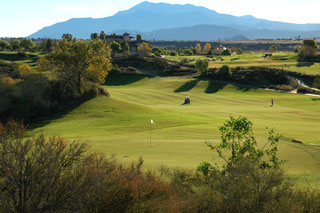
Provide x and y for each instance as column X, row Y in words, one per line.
column 15, row 44
column 308, row 51
column 102, row 35
column 4, row 44
column 94, row 36
column 77, row 62
column 238, row 143
column 115, row 47
column 202, row 65
column 139, row 37
column 27, row 44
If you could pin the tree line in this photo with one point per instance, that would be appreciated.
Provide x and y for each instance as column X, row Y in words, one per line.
column 70, row 72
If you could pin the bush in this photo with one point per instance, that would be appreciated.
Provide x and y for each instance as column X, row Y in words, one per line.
column 242, row 187
column 24, row 69
column 316, row 83
column 202, row 65
column 226, row 52
column 188, row 52
column 40, row 174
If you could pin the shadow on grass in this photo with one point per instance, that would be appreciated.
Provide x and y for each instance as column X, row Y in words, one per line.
column 214, row 87
column 244, row 89
column 315, row 99
column 124, row 79
column 59, row 112
column 187, row 86
column 16, row 57
column 305, row 64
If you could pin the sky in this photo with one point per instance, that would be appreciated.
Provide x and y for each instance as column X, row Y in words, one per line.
column 19, row 18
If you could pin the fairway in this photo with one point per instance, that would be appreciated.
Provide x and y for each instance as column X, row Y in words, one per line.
column 279, row 60
column 120, row 124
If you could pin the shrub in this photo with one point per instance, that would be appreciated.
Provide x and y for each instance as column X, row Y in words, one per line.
column 226, row 52
column 202, row 66
column 242, row 187
column 40, row 174
column 188, row 52
column 316, row 83
column 144, row 49
column 24, row 69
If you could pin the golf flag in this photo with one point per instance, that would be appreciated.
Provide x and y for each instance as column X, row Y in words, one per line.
column 152, row 121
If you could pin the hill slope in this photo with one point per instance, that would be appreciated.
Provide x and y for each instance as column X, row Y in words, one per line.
column 121, row 124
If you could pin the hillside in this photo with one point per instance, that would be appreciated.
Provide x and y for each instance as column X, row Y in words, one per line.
column 148, row 18
column 121, row 124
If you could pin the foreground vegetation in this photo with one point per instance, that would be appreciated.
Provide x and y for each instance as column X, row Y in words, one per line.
column 41, row 174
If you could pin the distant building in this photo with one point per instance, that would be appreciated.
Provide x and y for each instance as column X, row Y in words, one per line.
column 133, row 44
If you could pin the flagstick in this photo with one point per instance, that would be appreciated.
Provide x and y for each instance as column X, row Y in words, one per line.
column 150, row 133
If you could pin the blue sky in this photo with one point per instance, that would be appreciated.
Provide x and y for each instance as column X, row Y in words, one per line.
column 23, row 17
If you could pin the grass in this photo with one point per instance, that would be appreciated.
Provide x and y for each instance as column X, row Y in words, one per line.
column 280, row 60
column 120, row 124
column 11, row 57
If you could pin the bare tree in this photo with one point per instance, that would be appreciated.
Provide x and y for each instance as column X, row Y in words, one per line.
column 40, row 174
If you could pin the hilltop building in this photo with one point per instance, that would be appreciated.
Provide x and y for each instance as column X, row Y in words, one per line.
column 133, row 44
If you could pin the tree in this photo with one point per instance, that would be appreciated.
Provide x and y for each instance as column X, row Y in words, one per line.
column 139, row 37
column 207, row 48
column 237, row 137
column 67, row 37
column 144, row 49
column 198, row 49
column 308, row 51
column 202, row 65
column 48, row 47
column 273, row 48
column 238, row 51
column 226, row 52
column 251, row 176
column 316, row 83
column 40, row 174
column 125, row 47
column 27, row 44
column 76, row 62
column 115, row 47
column 4, row 45
column 15, row 44
column 188, row 52
column 94, row 36
column 102, row 35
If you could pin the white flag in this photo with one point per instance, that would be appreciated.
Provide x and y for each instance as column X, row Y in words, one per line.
column 152, row 121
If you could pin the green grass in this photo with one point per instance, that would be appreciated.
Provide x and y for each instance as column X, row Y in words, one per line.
column 11, row 57
column 280, row 60
column 120, row 124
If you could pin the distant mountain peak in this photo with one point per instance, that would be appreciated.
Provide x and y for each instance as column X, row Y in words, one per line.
column 151, row 17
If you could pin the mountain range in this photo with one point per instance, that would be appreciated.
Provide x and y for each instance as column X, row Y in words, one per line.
column 161, row 21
